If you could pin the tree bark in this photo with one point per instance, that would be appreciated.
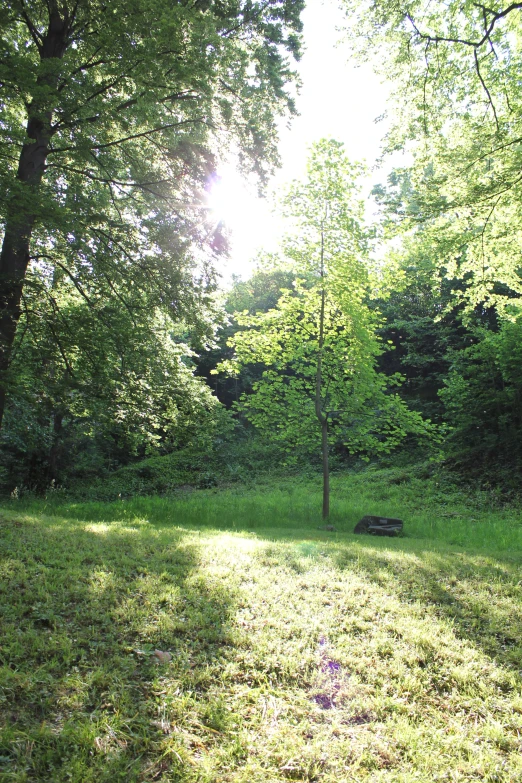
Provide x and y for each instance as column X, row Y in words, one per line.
column 22, row 210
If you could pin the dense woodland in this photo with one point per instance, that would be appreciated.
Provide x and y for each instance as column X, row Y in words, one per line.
column 122, row 356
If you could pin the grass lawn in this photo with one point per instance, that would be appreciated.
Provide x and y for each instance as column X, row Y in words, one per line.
column 295, row 654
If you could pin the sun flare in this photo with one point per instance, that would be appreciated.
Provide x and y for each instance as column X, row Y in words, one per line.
column 234, row 201
column 228, row 199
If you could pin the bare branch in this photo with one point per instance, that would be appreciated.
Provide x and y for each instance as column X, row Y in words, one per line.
column 483, row 83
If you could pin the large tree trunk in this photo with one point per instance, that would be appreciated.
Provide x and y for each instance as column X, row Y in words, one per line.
column 23, row 206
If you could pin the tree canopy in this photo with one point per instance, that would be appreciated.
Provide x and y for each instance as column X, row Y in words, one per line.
column 114, row 115
column 457, row 110
column 116, row 118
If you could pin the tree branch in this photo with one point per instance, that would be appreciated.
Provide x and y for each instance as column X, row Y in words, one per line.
column 35, row 35
column 496, row 16
column 107, row 180
column 133, row 136
column 483, row 83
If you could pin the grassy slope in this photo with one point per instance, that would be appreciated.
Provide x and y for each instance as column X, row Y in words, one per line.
column 297, row 654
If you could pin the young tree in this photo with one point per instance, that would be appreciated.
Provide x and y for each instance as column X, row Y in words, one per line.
column 112, row 115
column 319, row 345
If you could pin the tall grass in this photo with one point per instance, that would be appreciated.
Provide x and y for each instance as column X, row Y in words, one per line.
column 432, row 510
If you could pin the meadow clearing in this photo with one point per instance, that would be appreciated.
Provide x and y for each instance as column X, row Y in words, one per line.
column 288, row 652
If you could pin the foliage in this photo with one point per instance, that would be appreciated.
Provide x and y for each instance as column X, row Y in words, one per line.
column 460, row 367
column 361, row 416
column 422, row 329
column 482, row 398
column 259, row 293
column 326, row 654
column 86, row 397
column 323, row 326
column 457, row 111
column 114, row 119
column 201, row 463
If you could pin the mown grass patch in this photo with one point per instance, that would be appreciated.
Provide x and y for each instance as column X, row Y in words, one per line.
column 296, row 654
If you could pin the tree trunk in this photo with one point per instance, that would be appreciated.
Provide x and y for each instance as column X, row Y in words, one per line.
column 23, row 201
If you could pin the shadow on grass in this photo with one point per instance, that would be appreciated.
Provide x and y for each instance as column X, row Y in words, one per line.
column 479, row 594
column 84, row 607
column 89, row 597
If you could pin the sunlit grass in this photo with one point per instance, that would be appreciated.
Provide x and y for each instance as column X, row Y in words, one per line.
column 430, row 510
column 297, row 654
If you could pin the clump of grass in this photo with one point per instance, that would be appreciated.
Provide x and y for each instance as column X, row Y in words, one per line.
column 296, row 654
